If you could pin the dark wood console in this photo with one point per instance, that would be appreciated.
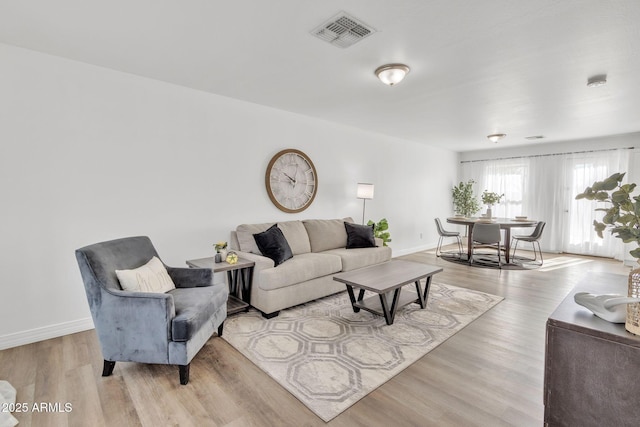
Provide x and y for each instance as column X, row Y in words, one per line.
column 592, row 367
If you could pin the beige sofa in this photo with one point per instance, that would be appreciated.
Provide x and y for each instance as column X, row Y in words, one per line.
column 319, row 252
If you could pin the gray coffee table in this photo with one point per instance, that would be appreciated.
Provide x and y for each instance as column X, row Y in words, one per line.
column 387, row 280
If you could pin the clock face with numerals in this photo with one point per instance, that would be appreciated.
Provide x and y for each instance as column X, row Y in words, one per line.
column 291, row 181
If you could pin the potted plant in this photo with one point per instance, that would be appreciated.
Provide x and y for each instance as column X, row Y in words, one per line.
column 622, row 219
column 464, row 201
column 221, row 251
column 380, row 230
column 490, row 198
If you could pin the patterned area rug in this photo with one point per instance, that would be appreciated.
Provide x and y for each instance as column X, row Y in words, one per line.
column 329, row 357
column 490, row 260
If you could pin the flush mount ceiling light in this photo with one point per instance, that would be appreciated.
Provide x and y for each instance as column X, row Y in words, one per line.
column 496, row 137
column 596, row 81
column 392, row 74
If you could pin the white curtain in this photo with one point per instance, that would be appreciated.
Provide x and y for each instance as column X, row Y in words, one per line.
column 546, row 199
column 581, row 170
column 544, row 188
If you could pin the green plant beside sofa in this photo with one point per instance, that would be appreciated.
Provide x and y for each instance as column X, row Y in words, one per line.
column 381, row 230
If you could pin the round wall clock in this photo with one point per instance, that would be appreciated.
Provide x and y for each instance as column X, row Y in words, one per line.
column 291, row 180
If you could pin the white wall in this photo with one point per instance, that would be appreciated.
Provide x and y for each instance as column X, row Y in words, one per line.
column 90, row 154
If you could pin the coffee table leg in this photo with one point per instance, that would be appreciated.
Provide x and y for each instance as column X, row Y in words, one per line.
column 390, row 314
column 352, row 297
column 423, row 296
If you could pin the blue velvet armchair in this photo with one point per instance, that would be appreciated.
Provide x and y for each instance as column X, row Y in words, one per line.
column 164, row 328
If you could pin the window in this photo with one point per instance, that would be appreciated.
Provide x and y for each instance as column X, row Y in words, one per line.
column 544, row 188
column 508, row 178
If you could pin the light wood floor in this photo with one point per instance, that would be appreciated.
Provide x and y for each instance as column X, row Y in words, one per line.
column 489, row 374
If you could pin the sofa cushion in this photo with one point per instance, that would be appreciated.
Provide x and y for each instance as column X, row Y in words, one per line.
column 273, row 244
column 326, row 234
column 296, row 236
column 247, row 243
column 151, row 277
column 362, row 257
column 194, row 307
column 245, row 233
column 299, row 269
column 359, row 236
column 293, row 231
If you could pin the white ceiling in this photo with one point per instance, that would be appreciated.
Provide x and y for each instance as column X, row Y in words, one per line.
column 477, row 67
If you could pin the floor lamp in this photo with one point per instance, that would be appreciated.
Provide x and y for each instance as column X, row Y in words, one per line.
column 365, row 191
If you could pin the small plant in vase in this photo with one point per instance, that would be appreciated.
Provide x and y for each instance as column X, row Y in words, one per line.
column 490, row 198
column 221, row 249
column 622, row 219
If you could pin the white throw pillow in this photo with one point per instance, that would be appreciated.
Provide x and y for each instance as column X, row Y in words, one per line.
column 151, row 277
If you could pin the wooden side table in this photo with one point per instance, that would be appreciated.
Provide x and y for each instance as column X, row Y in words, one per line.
column 239, row 278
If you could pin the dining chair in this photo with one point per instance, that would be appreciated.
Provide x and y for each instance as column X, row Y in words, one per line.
column 533, row 238
column 444, row 234
column 486, row 235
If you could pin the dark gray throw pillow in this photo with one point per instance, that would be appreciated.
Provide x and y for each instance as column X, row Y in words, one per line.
column 359, row 236
column 273, row 244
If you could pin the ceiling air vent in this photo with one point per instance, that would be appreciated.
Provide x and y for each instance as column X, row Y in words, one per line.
column 343, row 30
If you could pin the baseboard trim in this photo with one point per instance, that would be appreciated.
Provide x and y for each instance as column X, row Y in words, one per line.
column 397, row 253
column 45, row 333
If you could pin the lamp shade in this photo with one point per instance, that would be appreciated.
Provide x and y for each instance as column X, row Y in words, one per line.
column 392, row 74
column 365, row 191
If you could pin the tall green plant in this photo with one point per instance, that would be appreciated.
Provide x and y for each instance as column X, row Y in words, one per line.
column 464, row 201
column 380, row 230
column 622, row 217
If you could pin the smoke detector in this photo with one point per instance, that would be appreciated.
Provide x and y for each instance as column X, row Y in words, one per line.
column 343, row 30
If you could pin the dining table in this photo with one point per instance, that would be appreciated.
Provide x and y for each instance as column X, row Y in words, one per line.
column 506, row 224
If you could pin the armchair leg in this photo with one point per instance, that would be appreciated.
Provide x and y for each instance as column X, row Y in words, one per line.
column 184, row 374
column 107, row 368
column 220, row 329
